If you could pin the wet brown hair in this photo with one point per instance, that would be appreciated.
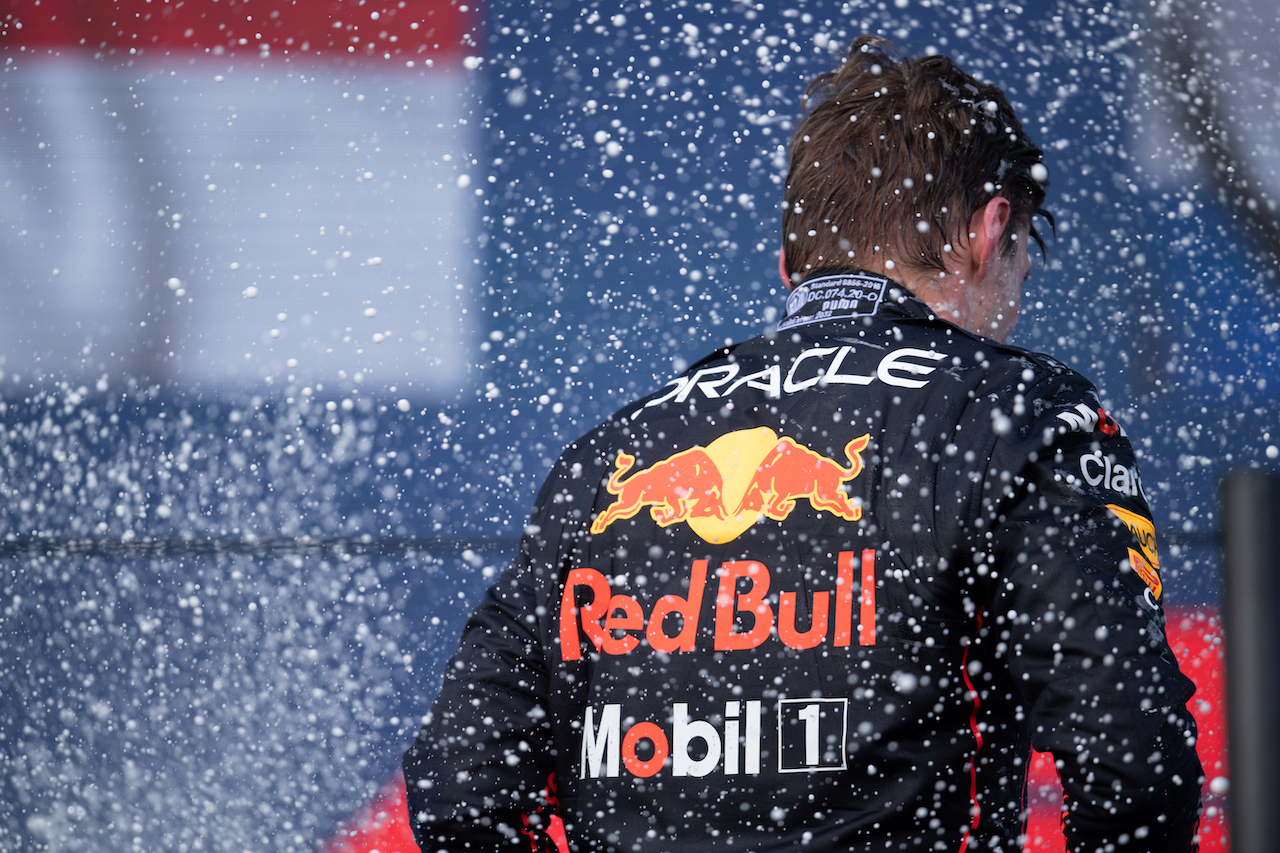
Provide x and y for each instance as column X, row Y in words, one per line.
column 895, row 156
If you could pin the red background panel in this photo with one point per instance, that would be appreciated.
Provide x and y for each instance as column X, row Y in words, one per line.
column 1196, row 637
column 405, row 29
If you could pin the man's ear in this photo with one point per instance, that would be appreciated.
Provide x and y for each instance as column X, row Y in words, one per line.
column 985, row 227
column 782, row 266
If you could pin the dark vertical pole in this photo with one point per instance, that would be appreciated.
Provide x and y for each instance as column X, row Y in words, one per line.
column 1251, row 582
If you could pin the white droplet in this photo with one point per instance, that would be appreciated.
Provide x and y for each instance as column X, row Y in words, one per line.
column 174, row 283
column 292, row 363
column 403, row 405
column 1185, row 209
column 1039, row 173
column 378, row 337
column 235, row 265
column 275, row 333
column 211, row 187
column 371, row 312
column 250, row 292
column 375, row 261
column 464, row 181
column 1272, row 451
column 281, row 317
column 1220, row 785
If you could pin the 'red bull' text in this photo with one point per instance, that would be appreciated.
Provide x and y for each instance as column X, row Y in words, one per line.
column 616, row 624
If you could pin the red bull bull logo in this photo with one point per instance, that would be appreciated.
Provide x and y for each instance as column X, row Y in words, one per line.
column 687, row 485
column 722, row 489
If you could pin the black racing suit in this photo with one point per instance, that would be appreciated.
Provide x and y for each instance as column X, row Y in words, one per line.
column 824, row 591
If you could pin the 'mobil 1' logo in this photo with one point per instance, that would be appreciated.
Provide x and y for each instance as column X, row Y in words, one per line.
column 722, row 489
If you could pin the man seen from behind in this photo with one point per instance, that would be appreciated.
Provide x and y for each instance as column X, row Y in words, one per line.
column 830, row 587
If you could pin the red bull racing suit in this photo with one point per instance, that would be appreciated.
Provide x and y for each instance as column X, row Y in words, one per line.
column 825, row 591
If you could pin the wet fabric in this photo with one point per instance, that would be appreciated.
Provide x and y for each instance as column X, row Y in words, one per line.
column 826, row 589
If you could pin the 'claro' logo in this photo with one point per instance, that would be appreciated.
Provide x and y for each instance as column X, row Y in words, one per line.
column 722, row 489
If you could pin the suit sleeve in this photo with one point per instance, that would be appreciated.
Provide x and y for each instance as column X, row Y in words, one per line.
column 478, row 773
column 1074, row 573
